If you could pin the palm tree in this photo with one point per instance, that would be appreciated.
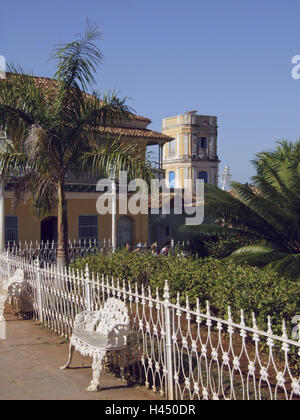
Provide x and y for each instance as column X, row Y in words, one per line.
column 53, row 130
column 268, row 211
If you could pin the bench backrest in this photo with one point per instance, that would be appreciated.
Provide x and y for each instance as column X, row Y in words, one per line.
column 18, row 277
column 113, row 313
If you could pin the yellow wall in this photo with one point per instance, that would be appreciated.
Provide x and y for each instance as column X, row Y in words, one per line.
column 29, row 228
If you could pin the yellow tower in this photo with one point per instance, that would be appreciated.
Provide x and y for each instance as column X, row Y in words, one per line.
column 193, row 152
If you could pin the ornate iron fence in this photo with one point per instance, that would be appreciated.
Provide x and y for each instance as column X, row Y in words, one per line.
column 179, row 352
column 46, row 251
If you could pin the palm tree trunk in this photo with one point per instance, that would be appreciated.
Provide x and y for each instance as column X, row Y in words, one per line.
column 62, row 226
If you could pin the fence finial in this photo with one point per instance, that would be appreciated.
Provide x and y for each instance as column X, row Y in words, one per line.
column 270, row 331
column 229, row 314
column 87, row 272
column 198, row 306
column 187, row 303
column 207, row 308
column 166, row 291
column 284, row 330
column 37, row 262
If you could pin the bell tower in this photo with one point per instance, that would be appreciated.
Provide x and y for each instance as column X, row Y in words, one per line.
column 193, row 153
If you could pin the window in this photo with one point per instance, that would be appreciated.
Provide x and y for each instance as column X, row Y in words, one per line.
column 88, row 227
column 11, row 228
column 202, row 143
column 194, row 145
column 172, row 179
column 203, row 175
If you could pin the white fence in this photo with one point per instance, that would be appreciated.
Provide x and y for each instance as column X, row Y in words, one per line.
column 47, row 251
column 179, row 352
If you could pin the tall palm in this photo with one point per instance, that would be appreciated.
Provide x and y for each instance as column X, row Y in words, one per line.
column 54, row 130
column 268, row 211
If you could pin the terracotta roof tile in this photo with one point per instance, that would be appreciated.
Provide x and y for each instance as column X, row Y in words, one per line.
column 47, row 83
column 132, row 132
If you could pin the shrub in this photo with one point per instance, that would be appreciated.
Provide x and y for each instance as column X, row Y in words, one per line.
column 221, row 282
column 224, row 247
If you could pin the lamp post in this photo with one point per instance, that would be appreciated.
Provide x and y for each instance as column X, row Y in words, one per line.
column 114, row 210
column 3, row 140
column 2, row 213
column 226, row 178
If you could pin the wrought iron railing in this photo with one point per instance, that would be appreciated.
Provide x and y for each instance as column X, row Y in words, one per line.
column 47, row 251
column 178, row 351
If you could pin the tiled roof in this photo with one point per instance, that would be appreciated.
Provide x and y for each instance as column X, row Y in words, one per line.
column 47, row 83
column 129, row 132
column 134, row 132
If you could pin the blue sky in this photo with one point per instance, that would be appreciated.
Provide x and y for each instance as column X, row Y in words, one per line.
column 227, row 58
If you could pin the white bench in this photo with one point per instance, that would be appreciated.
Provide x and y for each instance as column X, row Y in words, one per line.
column 98, row 332
column 17, row 278
column 9, row 289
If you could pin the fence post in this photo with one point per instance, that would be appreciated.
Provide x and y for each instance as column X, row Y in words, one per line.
column 168, row 330
column 8, row 266
column 88, row 303
column 39, row 290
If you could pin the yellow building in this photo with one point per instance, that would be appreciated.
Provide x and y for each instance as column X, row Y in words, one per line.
column 193, row 152
column 83, row 220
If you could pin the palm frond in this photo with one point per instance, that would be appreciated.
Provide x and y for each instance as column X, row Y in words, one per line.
column 77, row 61
column 115, row 155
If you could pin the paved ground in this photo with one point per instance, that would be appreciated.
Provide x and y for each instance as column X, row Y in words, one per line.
column 29, row 369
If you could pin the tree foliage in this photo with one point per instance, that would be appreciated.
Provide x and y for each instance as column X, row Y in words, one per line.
column 53, row 129
column 268, row 211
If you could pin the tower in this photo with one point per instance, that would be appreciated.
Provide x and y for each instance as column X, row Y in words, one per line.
column 226, row 178
column 193, row 152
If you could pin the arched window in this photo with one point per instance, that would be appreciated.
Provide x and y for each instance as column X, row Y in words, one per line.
column 203, row 175
column 49, row 229
column 124, row 231
column 172, row 179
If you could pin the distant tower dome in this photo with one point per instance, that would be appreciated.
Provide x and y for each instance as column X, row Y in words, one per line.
column 226, row 178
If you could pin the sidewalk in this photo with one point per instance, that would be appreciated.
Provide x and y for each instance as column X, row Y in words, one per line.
column 30, row 358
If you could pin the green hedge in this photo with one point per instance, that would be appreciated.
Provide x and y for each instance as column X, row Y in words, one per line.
column 224, row 247
column 221, row 282
column 218, row 247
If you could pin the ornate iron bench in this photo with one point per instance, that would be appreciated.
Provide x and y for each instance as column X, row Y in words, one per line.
column 98, row 332
column 15, row 288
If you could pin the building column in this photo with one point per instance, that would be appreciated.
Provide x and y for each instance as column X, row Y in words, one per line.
column 160, row 157
column 178, row 137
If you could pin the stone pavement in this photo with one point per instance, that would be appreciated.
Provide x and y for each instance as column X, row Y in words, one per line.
column 29, row 368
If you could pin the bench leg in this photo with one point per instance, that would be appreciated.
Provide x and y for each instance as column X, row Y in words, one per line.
column 97, row 365
column 122, row 365
column 71, row 352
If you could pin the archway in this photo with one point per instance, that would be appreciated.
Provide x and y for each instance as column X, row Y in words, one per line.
column 49, row 229
column 124, row 231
